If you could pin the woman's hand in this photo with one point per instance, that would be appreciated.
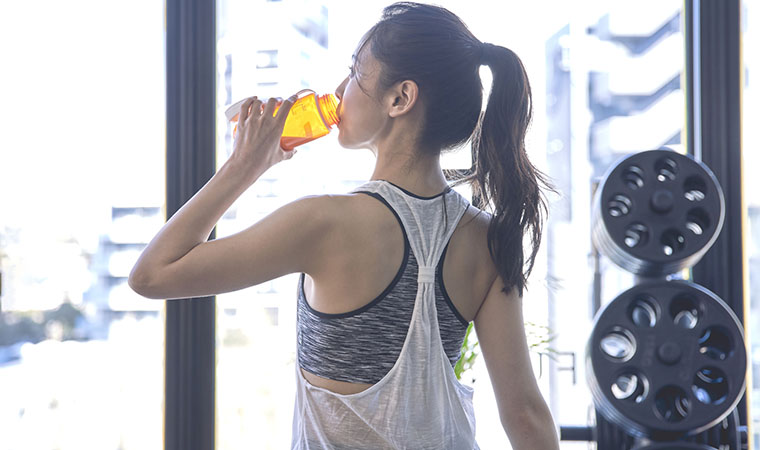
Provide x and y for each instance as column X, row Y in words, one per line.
column 257, row 144
column 179, row 255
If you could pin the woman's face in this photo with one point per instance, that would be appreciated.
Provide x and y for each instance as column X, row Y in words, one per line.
column 362, row 116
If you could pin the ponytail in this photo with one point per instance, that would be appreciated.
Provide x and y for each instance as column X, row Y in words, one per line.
column 418, row 42
column 503, row 175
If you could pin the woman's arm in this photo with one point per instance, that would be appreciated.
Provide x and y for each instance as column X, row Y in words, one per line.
column 501, row 334
column 180, row 263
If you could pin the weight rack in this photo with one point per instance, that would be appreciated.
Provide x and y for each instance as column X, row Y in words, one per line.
column 666, row 360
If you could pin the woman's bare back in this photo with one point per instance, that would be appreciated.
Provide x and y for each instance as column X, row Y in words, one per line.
column 366, row 253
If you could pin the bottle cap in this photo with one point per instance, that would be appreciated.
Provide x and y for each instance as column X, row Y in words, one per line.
column 233, row 110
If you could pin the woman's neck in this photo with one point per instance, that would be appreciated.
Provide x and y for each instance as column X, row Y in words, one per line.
column 421, row 175
column 400, row 160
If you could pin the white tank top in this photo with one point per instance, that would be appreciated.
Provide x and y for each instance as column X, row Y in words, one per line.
column 419, row 404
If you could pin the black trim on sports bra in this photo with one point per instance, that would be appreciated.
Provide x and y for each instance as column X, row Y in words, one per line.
column 399, row 274
column 418, row 196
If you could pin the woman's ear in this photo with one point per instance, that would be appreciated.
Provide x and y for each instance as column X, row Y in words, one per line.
column 402, row 97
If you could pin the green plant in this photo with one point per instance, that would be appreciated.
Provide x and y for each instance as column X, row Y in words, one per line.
column 468, row 353
column 539, row 337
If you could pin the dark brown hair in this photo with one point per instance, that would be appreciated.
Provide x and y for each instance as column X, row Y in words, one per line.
column 433, row 47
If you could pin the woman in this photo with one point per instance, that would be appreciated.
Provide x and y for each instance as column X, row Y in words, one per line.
column 393, row 272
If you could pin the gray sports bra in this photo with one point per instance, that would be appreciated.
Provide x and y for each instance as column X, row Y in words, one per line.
column 361, row 346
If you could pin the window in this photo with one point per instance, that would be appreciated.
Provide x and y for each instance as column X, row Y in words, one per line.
column 612, row 73
column 588, row 112
column 256, row 326
column 266, row 59
column 82, row 176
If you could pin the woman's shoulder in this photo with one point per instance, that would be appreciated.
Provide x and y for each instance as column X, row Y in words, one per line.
column 356, row 216
column 478, row 218
column 474, row 222
column 348, row 212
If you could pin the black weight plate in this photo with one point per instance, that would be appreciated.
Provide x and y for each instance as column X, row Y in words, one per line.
column 726, row 435
column 657, row 212
column 610, row 436
column 666, row 359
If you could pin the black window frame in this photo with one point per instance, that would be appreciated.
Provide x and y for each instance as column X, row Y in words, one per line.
column 189, row 413
column 714, row 136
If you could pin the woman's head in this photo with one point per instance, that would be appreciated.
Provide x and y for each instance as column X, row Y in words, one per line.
column 430, row 50
column 366, row 120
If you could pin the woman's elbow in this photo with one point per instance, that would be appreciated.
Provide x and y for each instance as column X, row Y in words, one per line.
column 532, row 428
column 141, row 282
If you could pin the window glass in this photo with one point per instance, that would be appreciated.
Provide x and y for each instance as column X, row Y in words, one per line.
column 82, row 181
column 600, row 74
column 613, row 87
column 256, row 326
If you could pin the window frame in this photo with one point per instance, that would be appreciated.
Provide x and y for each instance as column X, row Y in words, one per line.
column 714, row 136
column 190, row 404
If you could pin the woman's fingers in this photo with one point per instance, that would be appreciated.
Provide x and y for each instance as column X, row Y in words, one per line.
column 245, row 109
column 255, row 108
column 282, row 113
column 243, row 114
column 270, row 105
column 260, row 118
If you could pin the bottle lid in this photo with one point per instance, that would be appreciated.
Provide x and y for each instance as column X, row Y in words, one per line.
column 233, row 110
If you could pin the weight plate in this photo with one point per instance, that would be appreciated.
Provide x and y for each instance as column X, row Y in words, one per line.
column 657, row 212
column 726, row 435
column 610, row 436
column 666, row 359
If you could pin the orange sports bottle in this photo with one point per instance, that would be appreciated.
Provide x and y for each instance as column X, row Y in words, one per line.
column 312, row 116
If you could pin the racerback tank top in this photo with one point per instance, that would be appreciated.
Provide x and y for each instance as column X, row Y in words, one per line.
column 362, row 345
column 418, row 404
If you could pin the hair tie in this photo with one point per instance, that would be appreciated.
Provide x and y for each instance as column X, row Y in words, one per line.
column 482, row 59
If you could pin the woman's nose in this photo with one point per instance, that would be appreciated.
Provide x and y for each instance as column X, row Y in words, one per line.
column 341, row 88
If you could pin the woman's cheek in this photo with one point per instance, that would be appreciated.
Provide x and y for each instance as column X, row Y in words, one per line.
column 347, row 137
column 342, row 133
